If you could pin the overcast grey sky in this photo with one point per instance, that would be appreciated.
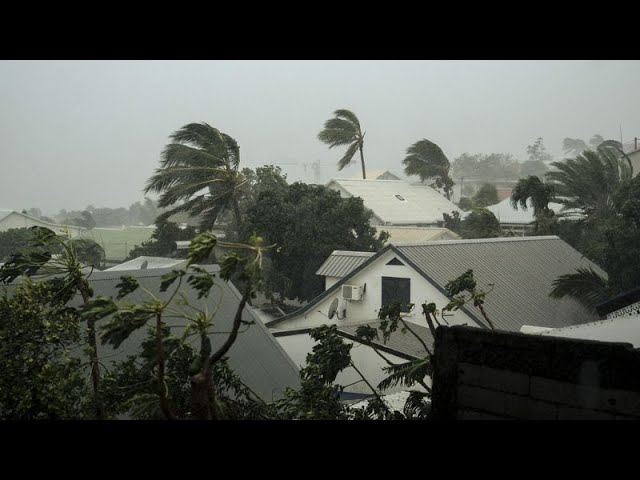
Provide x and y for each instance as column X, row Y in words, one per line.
column 74, row 133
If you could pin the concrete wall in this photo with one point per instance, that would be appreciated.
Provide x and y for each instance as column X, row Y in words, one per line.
column 17, row 220
column 481, row 374
column 367, row 309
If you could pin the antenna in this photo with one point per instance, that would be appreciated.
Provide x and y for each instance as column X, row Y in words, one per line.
column 333, row 308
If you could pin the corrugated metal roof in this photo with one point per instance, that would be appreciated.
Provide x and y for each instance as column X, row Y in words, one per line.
column 403, row 343
column 152, row 262
column 341, row 262
column 505, row 213
column 416, row 234
column 398, row 202
column 256, row 356
column 620, row 329
column 522, row 271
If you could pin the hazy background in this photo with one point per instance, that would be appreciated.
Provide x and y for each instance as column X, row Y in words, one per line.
column 74, row 133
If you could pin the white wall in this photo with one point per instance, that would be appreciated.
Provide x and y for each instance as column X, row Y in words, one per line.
column 364, row 358
column 329, row 281
column 367, row 309
column 635, row 161
column 16, row 220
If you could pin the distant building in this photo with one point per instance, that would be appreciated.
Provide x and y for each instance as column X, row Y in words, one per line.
column 416, row 234
column 396, row 202
column 377, row 175
column 11, row 219
column 521, row 221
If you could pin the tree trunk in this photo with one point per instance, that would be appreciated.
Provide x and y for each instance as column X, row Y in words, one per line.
column 164, row 404
column 93, row 352
column 236, row 214
column 364, row 174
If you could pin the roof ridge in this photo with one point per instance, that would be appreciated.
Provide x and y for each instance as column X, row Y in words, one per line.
column 475, row 240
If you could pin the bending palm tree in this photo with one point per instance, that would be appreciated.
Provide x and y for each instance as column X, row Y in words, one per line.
column 589, row 181
column 199, row 159
column 426, row 159
column 344, row 129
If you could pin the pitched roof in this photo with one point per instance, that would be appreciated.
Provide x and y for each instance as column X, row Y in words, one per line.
column 256, row 356
column 341, row 262
column 521, row 270
column 619, row 301
column 416, row 234
column 398, row 202
column 152, row 262
column 5, row 213
column 505, row 213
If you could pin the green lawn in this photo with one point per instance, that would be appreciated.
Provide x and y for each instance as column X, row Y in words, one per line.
column 117, row 242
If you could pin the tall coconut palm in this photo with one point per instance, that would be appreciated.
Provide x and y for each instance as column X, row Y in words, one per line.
column 532, row 192
column 344, row 129
column 427, row 160
column 200, row 169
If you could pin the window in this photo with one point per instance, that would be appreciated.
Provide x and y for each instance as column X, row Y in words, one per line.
column 396, row 290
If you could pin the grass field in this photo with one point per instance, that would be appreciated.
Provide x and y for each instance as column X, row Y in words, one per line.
column 117, row 242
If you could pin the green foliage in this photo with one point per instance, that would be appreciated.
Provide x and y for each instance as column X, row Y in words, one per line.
column 201, row 281
column 163, row 240
column 344, row 129
column 41, row 379
column 485, row 196
column 14, row 240
column 466, row 284
column 169, row 278
column 428, row 161
column 406, row 374
column 127, row 320
column 465, row 203
column 201, row 247
column 306, row 223
column 127, row 285
column 480, row 223
column 317, row 398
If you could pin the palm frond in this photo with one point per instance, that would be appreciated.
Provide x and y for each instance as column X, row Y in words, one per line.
column 349, row 115
column 586, row 286
column 427, row 160
column 348, row 156
column 406, row 374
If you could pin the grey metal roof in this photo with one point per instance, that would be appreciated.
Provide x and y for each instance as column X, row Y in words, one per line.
column 404, row 344
column 341, row 262
column 256, row 356
column 522, row 271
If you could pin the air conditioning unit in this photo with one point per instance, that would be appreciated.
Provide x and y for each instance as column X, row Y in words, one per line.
column 352, row 292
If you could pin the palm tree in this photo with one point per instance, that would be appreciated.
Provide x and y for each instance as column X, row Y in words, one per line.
column 200, row 169
column 585, row 285
column 531, row 191
column 426, row 159
column 344, row 129
column 588, row 182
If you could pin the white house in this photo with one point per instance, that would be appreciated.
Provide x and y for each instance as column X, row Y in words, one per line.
column 517, row 273
column 11, row 219
column 396, row 202
column 377, row 175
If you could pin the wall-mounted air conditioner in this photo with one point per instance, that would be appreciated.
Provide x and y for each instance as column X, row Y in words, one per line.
column 352, row 292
